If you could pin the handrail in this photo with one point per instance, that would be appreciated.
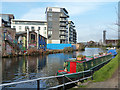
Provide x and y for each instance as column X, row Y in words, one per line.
column 42, row 78
column 69, row 83
column 7, row 84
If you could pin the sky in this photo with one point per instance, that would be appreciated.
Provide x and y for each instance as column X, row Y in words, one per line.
column 90, row 18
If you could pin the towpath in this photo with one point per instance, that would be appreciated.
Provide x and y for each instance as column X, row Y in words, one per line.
column 110, row 83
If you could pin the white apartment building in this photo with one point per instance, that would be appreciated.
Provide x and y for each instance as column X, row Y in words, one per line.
column 21, row 25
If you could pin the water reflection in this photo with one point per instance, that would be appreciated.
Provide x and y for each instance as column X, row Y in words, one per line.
column 30, row 67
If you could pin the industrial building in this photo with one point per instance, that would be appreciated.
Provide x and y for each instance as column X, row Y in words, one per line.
column 114, row 42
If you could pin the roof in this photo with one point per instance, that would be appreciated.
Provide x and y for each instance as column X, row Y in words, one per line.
column 29, row 20
column 6, row 14
column 111, row 39
column 59, row 8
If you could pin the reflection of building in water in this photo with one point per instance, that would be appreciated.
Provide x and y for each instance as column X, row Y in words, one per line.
column 9, row 68
column 23, row 67
column 32, row 63
column 56, row 61
column 41, row 62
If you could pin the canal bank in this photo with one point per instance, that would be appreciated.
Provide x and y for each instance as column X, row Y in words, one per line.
column 106, row 77
column 51, row 49
column 27, row 68
column 35, row 52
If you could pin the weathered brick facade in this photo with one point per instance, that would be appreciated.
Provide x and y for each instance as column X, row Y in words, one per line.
column 6, row 47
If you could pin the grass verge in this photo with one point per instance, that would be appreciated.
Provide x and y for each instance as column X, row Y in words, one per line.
column 107, row 71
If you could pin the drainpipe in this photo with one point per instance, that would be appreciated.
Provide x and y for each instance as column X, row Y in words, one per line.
column 38, row 39
column 27, row 38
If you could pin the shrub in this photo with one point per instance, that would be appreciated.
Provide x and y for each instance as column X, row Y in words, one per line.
column 68, row 49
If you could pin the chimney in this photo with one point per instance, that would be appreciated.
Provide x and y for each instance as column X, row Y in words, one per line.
column 104, row 37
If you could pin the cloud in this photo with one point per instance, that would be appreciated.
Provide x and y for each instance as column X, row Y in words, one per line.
column 34, row 14
column 85, row 32
column 73, row 9
column 78, row 8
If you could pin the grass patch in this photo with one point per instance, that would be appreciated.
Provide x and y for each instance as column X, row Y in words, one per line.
column 107, row 71
column 82, row 86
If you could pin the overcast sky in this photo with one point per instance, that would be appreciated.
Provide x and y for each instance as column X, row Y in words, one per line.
column 90, row 18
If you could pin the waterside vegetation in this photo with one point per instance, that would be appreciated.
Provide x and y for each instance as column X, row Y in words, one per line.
column 107, row 71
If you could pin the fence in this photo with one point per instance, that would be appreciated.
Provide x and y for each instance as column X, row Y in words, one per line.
column 84, row 76
column 51, row 77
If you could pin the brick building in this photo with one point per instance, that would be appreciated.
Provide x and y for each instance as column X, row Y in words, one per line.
column 110, row 41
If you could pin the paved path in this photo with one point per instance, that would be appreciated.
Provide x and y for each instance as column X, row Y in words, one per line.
column 110, row 83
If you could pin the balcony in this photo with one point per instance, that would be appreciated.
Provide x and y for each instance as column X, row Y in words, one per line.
column 62, row 29
column 62, row 34
column 61, row 24
column 63, row 38
column 63, row 20
column 64, row 16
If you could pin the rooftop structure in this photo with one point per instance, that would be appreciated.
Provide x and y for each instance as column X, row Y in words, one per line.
column 5, row 20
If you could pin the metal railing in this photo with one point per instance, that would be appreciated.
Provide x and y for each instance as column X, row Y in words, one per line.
column 83, row 77
column 51, row 77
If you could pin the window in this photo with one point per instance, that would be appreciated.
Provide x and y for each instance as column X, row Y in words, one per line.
column 49, row 14
column 50, row 18
column 49, row 24
column 49, row 37
column 49, row 32
column 50, row 9
column 38, row 28
column 19, row 27
column 14, row 26
column 32, row 28
column 44, row 28
column 32, row 38
column 44, row 32
column 49, row 28
column 26, row 27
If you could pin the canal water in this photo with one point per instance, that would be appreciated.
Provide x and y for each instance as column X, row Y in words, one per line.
column 31, row 67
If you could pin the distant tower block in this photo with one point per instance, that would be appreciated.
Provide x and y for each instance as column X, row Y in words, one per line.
column 104, row 37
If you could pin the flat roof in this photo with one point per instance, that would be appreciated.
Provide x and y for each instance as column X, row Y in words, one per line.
column 23, row 20
column 6, row 14
column 59, row 8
